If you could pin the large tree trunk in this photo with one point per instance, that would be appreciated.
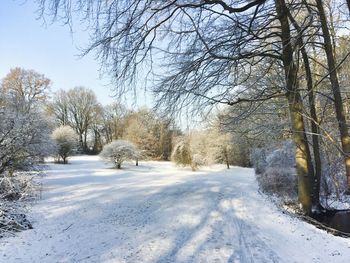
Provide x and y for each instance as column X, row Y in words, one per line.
column 303, row 158
column 316, row 180
column 302, row 155
column 338, row 103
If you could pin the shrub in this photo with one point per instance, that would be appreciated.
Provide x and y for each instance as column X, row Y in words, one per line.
column 66, row 142
column 182, row 154
column 279, row 181
column 119, row 151
column 258, row 159
column 276, row 174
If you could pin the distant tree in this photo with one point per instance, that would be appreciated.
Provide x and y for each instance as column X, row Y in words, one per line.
column 118, row 152
column 58, row 108
column 151, row 133
column 25, row 87
column 97, row 128
column 81, row 102
column 114, row 118
column 65, row 139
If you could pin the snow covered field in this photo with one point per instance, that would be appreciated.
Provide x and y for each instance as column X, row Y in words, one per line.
column 161, row 213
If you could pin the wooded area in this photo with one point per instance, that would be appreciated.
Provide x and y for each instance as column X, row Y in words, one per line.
column 254, row 56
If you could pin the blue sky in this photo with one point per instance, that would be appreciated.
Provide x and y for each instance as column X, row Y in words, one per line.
column 51, row 50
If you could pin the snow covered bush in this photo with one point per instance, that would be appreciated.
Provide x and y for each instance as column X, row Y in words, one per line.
column 204, row 148
column 284, row 156
column 18, row 185
column 182, row 155
column 66, row 142
column 119, row 151
column 280, row 181
column 193, row 150
column 258, row 160
column 333, row 182
column 24, row 139
column 278, row 172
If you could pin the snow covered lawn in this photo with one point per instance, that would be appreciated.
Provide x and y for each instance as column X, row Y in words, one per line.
column 160, row 213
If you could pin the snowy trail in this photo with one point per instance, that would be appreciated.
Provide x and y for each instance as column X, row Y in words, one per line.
column 159, row 213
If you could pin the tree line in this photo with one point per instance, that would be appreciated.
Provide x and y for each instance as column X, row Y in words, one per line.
column 97, row 125
column 27, row 93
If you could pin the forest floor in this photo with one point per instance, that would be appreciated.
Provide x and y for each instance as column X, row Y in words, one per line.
column 158, row 212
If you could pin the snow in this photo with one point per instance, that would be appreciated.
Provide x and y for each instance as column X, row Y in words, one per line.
column 158, row 212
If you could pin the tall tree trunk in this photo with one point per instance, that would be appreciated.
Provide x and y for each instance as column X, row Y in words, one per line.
column 316, row 180
column 303, row 158
column 338, row 103
column 85, row 144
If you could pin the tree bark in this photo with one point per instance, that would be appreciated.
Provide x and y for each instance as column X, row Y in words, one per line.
column 316, row 180
column 338, row 103
column 303, row 158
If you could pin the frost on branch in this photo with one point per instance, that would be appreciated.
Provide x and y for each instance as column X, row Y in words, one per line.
column 119, row 151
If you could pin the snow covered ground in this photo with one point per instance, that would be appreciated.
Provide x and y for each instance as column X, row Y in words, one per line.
column 161, row 213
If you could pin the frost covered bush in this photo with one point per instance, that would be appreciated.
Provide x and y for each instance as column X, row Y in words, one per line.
column 258, row 160
column 280, row 181
column 66, row 143
column 193, row 150
column 17, row 186
column 278, row 172
column 333, row 180
column 14, row 188
column 283, row 156
column 24, row 139
column 119, row 151
column 182, row 155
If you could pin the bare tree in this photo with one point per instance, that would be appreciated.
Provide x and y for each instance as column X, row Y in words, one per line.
column 81, row 104
column 26, row 87
column 58, row 107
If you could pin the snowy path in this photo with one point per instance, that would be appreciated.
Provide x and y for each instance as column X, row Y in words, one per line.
column 160, row 213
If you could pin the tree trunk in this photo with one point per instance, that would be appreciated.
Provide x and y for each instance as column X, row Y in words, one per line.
column 303, row 158
column 338, row 103
column 302, row 155
column 316, row 180
column 85, row 144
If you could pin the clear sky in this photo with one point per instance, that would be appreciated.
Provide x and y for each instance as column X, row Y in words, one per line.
column 49, row 49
